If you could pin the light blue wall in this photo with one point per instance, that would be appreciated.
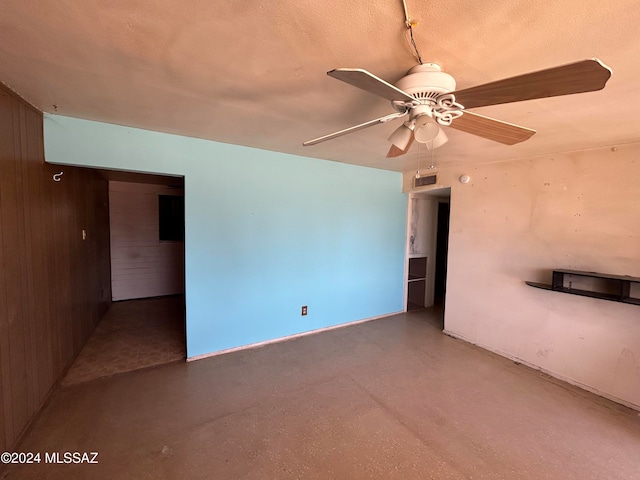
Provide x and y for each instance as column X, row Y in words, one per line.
column 265, row 232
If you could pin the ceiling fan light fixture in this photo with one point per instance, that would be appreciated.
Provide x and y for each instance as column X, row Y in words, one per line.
column 439, row 141
column 428, row 96
column 426, row 129
column 401, row 136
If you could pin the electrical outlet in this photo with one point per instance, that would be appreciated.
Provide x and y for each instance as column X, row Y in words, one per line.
column 304, row 310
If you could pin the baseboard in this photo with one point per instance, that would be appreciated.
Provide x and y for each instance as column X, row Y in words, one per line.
column 288, row 337
column 546, row 372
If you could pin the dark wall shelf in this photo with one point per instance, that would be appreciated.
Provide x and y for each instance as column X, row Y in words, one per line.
column 616, row 288
column 417, row 283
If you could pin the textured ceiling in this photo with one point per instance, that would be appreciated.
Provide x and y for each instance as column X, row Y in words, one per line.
column 254, row 72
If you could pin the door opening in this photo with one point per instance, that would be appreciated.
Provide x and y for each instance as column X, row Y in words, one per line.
column 427, row 250
column 145, row 325
column 442, row 250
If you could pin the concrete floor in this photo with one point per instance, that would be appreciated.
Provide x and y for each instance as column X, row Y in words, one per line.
column 387, row 399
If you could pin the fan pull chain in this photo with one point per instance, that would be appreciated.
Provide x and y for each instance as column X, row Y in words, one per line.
column 431, row 166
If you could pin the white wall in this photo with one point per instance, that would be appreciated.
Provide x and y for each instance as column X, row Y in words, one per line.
column 141, row 265
column 518, row 220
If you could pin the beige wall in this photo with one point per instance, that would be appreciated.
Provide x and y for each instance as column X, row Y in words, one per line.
column 141, row 265
column 518, row 220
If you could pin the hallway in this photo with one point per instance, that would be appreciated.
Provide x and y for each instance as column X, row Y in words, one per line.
column 132, row 335
column 392, row 398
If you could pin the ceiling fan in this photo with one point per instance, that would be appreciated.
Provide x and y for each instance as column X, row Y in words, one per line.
column 427, row 96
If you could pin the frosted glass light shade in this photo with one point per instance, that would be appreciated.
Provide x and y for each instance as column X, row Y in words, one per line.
column 437, row 142
column 426, row 129
column 401, row 136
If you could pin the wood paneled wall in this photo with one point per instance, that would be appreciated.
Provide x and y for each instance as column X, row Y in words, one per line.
column 54, row 286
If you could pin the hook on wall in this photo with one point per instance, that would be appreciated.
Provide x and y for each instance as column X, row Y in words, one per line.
column 56, row 176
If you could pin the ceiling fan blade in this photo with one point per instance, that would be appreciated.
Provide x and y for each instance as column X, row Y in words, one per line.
column 369, row 82
column 396, row 152
column 492, row 129
column 578, row 77
column 370, row 123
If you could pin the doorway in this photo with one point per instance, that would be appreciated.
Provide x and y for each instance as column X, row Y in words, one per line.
column 427, row 252
column 145, row 324
column 442, row 251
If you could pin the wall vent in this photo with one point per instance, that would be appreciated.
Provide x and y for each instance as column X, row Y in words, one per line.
column 426, row 180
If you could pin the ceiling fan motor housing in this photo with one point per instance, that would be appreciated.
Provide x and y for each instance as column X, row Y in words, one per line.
column 426, row 82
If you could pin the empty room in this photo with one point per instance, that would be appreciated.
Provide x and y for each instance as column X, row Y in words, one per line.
column 381, row 239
